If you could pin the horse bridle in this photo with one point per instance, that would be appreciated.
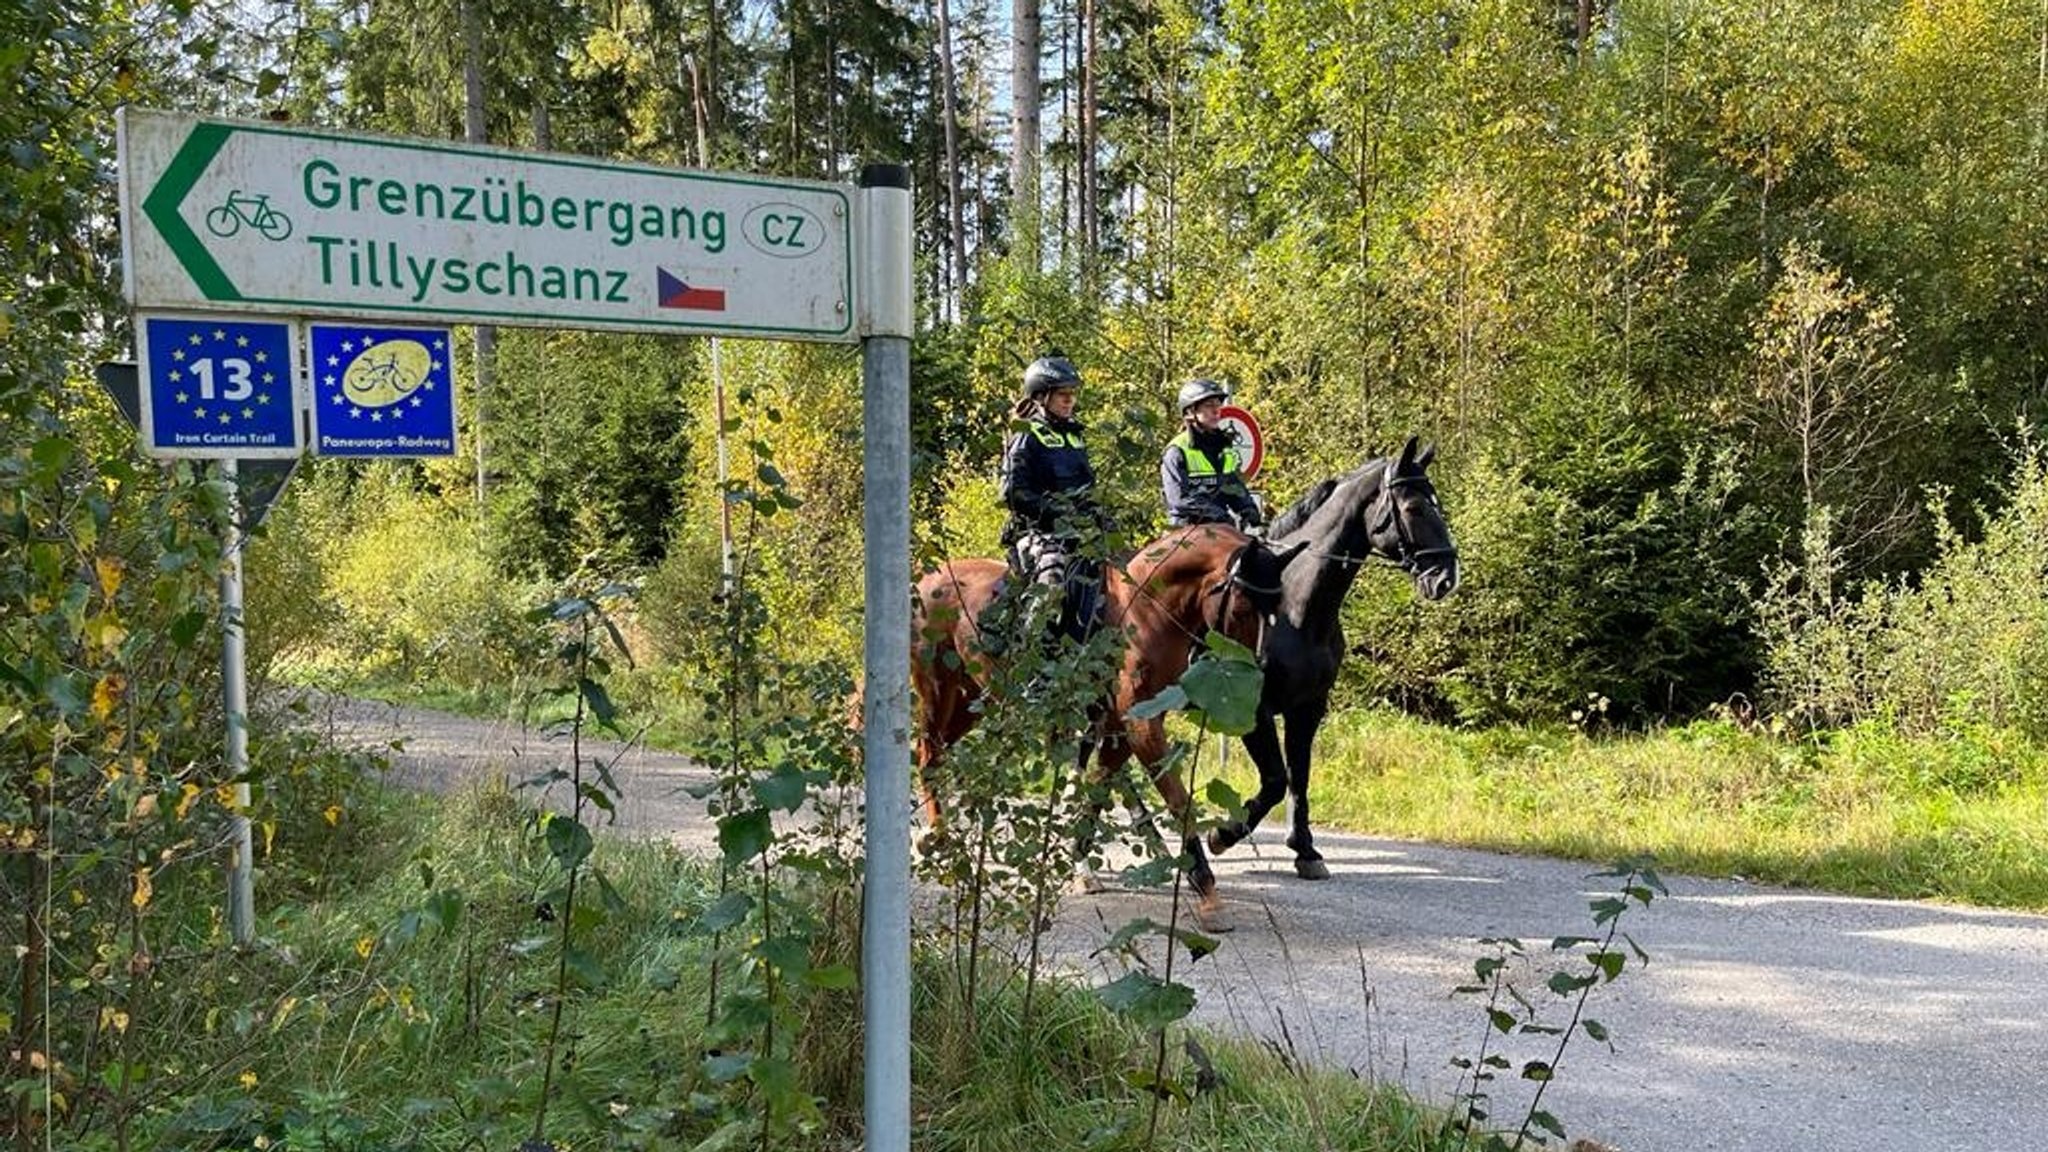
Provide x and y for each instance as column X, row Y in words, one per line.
column 1407, row 557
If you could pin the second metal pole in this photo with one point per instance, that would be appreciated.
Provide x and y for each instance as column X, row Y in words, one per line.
column 885, row 419
column 235, row 691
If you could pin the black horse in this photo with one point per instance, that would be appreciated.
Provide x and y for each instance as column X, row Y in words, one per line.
column 1385, row 510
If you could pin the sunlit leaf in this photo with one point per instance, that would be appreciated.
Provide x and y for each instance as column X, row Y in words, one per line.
column 1227, row 692
column 788, row 954
column 833, row 976
column 726, row 1067
column 784, row 790
column 1173, row 698
column 600, row 702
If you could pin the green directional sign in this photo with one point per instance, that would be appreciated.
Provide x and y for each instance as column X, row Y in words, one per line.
column 232, row 215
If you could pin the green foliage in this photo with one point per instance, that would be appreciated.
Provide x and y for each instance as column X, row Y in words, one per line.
column 1597, row 564
column 588, row 642
column 614, row 428
column 1961, row 650
column 407, row 571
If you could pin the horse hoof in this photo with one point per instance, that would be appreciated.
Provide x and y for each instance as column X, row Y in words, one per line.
column 1311, row 869
column 1210, row 917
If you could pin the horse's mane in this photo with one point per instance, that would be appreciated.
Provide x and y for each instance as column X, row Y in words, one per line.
column 1298, row 513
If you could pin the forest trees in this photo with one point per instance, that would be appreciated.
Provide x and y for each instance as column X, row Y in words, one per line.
column 1635, row 263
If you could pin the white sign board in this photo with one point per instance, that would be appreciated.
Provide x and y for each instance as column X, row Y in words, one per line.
column 254, row 216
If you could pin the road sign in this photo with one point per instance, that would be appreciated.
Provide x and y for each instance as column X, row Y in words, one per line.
column 380, row 391
column 218, row 386
column 1243, row 426
column 255, row 216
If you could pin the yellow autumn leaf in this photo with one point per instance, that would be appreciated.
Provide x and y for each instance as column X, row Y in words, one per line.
column 109, row 568
column 332, row 815
column 269, row 836
column 145, row 806
column 247, row 1079
column 364, row 944
column 185, row 799
column 144, row 889
column 112, row 1017
column 106, row 695
column 106, row 632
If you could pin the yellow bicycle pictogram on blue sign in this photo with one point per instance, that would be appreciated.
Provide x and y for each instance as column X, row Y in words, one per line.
column 381, row 391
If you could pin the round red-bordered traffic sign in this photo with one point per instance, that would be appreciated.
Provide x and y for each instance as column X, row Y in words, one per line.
column 1246, row 428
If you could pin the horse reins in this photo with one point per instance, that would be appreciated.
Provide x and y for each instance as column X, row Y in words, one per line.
column 1232, row 580
column 1408, row 558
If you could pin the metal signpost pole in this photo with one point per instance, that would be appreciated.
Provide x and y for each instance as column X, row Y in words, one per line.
column 234, row 679
column 885, row 409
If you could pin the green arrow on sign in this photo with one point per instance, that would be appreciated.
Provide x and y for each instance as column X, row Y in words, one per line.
column 161, row 206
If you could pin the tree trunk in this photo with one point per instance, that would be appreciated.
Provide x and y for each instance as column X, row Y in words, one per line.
column 1063, row 179
column 1091, row 193
column 709, row 114
column 1025, row 45
column 832, row 110
column 955, row 263
column 473, row 131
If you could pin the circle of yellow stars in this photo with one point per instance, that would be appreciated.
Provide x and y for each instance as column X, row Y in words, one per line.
column 355, row 412
column 226, row 415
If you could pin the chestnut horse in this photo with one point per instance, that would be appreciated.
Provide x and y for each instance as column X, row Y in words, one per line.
column 1171, row 595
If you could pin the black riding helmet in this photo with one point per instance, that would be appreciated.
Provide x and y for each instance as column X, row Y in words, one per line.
column 1195, row 391
column 1048, row 374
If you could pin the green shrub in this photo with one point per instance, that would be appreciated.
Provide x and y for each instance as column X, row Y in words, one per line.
column 1964, row 649
column 410, row 573
column 1617, row 569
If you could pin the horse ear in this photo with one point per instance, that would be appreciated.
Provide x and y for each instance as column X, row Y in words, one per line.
column 1407, row 454
column 1428, row 454
column 1287, row 556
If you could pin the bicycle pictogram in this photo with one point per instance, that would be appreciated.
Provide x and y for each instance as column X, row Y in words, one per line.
column 385, row 374
column 253, row 210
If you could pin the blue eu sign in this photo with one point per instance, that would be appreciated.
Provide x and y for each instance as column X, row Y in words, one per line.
column 381, row 391
column 218, row 387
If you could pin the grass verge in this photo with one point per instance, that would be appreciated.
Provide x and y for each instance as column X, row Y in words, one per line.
column 1956, row 816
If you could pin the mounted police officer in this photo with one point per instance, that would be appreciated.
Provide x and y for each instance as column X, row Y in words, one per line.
column 1049, row 487
column 1202, row 473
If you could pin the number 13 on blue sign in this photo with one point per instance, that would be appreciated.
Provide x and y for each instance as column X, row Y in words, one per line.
column 216, row 386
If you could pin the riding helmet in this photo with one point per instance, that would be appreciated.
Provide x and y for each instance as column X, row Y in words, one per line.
column 1195, row 391
column 1050, row 373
